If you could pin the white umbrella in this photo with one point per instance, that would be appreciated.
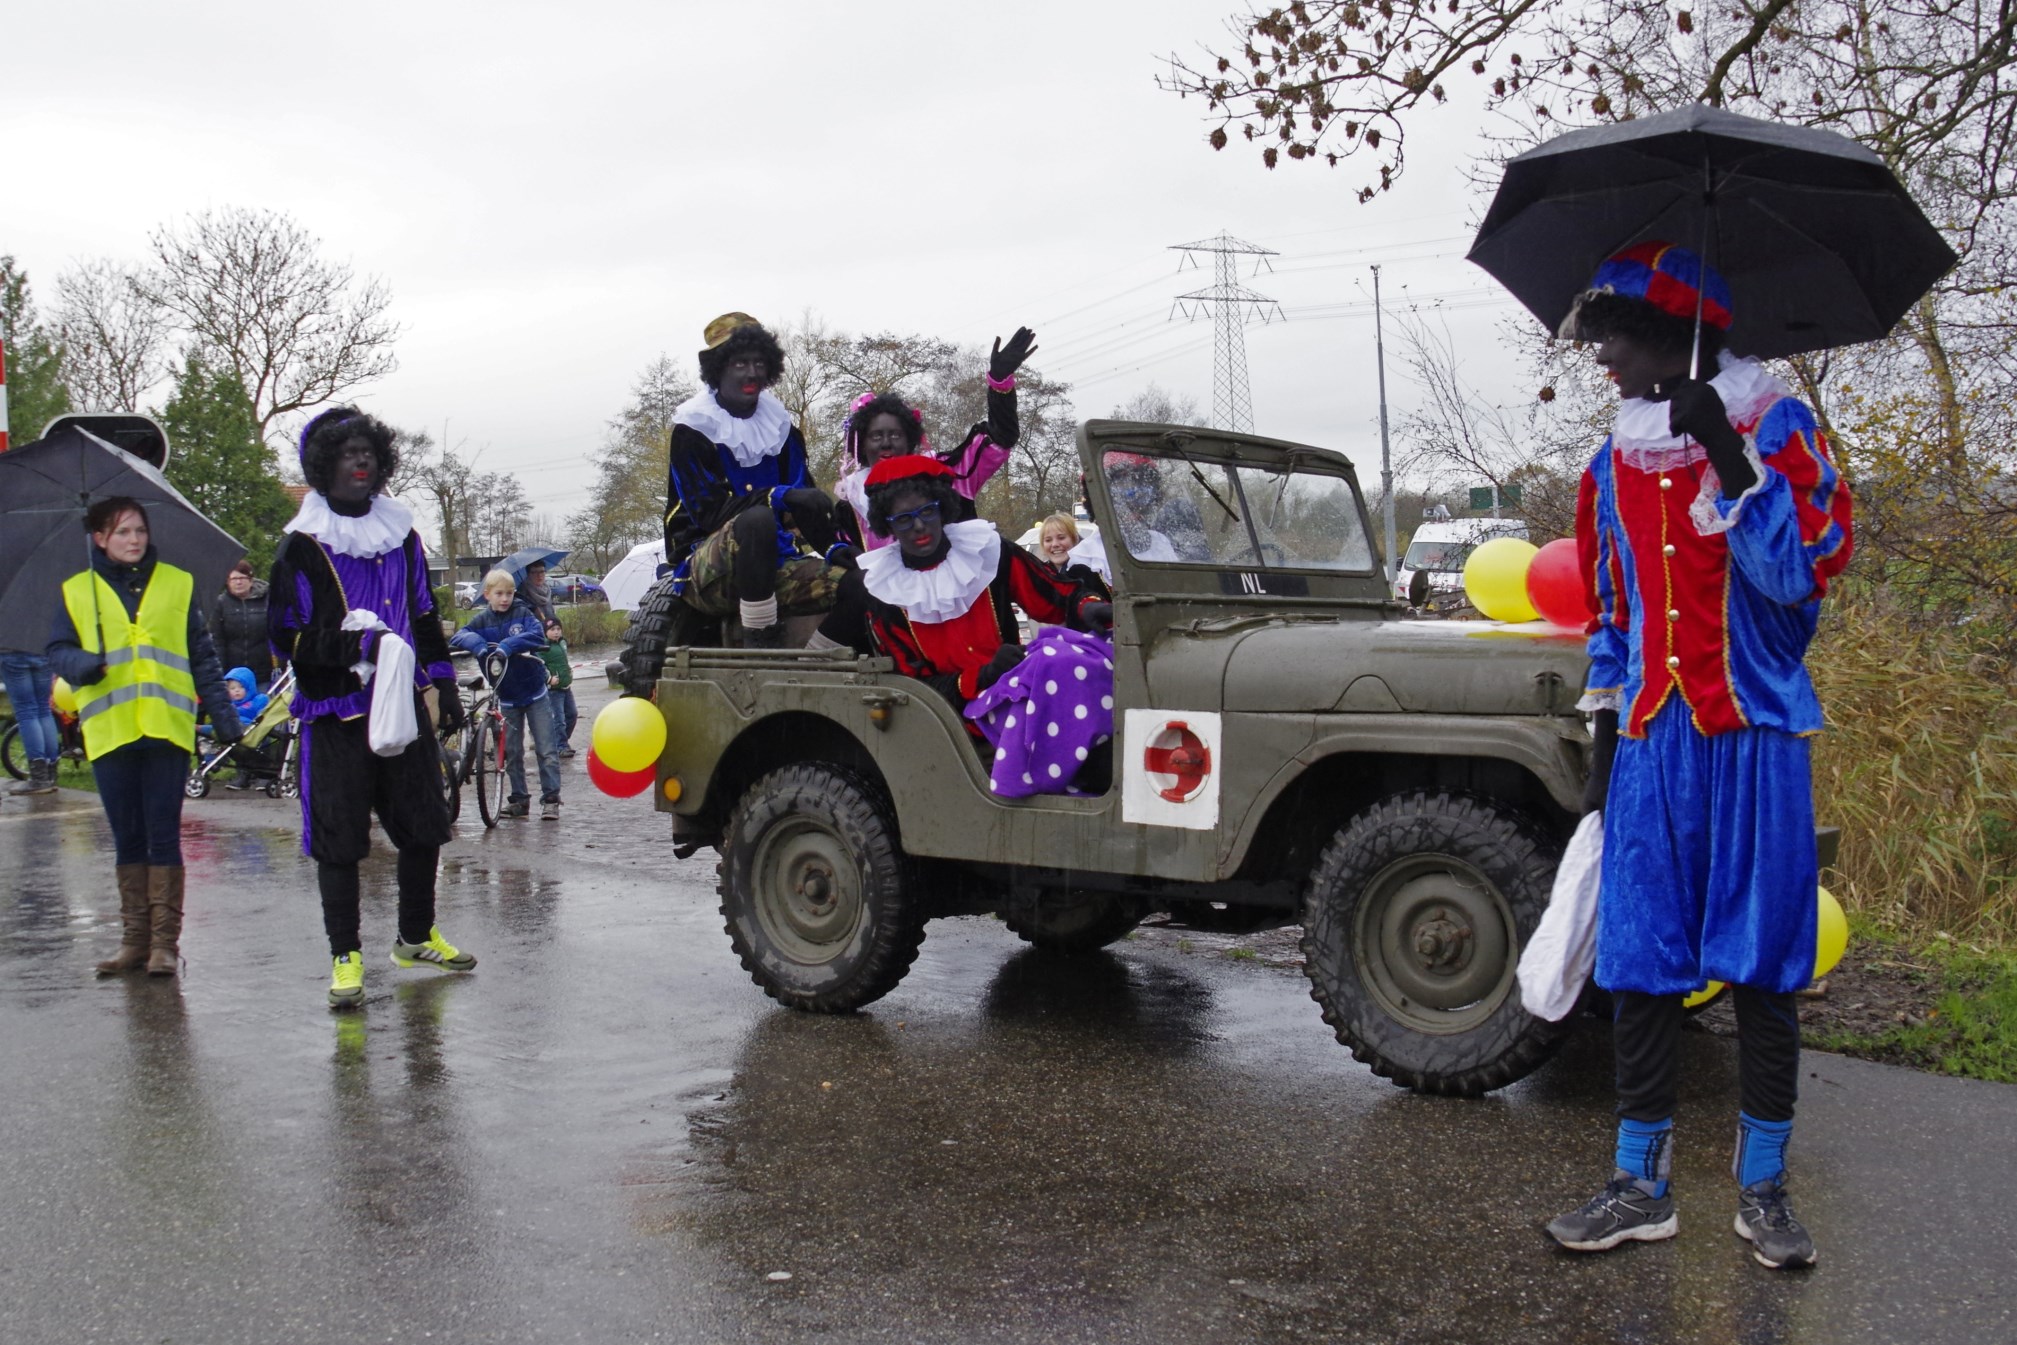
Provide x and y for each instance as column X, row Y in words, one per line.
column 631, row 578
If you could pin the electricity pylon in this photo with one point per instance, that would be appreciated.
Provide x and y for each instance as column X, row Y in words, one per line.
column 1232, row 306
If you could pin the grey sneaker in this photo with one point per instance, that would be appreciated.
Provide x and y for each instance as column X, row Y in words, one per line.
column 549, row 811
column 1765, row 1220
column 1622, row 1212
column 517, row 808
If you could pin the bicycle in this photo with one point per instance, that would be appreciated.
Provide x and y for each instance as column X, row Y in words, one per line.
column 70, row 743
column 483, row 755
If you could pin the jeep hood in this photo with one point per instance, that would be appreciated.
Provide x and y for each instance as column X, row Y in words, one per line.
column 1424, row 667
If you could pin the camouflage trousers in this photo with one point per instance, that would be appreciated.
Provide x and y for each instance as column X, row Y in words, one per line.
column 805, row 584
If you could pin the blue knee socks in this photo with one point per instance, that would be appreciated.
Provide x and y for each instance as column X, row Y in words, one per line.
column 1761, row 1149
column 1645, row 1153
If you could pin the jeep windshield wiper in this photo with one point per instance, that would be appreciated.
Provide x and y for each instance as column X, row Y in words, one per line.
column 1218, row 500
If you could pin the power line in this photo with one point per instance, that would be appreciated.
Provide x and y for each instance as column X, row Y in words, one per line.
column 1231, row 304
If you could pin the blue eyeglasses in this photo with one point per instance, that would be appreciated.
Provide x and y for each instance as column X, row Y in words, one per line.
column 924, row 516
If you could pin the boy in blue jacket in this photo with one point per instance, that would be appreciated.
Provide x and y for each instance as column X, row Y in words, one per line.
column 505, row 624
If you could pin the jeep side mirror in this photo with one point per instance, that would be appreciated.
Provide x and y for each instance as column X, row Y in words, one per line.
column 1418, row 589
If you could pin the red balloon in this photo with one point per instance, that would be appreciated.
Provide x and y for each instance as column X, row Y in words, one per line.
column 1555, row 585
column 618, row 784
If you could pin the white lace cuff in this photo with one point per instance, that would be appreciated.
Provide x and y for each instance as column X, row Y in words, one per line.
column 1605, row 698
column 1709, row 513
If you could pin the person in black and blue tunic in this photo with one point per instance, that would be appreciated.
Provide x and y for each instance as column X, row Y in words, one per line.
column 740, row 498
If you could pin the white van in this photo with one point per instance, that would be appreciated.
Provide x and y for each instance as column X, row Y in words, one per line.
column 1442, row 549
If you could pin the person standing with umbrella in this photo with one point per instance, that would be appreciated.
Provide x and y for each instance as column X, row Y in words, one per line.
column 1708, row 529
column 238, row 624
column 130, row 639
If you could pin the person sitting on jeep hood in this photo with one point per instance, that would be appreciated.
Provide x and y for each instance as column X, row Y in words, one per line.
column 883, row 426
column 739, row 489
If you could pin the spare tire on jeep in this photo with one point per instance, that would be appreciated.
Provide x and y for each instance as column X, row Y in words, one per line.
column 1413, row 923
column 662, row 621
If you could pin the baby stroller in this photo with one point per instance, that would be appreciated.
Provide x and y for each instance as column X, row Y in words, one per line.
column 268, row 752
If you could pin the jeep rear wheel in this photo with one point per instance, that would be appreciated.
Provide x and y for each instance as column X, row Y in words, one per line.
column 1061, row 921
column 815, row 892
column 1412, row 928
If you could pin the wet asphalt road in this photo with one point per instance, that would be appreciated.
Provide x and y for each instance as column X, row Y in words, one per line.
column 606, row 1133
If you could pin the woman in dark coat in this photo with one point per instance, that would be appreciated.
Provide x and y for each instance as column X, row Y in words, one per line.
column 238, row 625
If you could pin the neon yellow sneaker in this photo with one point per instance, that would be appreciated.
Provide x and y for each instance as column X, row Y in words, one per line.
column 346, row 981
column 436, row 952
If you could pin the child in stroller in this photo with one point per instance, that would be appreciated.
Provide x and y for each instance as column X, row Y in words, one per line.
column 264, row 754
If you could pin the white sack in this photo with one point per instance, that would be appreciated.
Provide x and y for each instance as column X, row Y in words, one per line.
column 390, row 677
column 1557, row 961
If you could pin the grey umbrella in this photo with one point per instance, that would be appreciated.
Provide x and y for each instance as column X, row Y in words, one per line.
column 1818, row 240
column 45, row 489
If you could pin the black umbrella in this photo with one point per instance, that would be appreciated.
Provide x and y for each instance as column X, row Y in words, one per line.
column 45, row 489
column 1818, row 241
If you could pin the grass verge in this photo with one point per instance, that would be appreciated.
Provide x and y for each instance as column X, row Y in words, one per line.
column 1969, row 1028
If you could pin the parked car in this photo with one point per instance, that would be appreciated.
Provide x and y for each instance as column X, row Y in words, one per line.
column 1442, row 549
column 467, row 592
column 575, row 588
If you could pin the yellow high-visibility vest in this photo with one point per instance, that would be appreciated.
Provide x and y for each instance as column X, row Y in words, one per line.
column 147, row 691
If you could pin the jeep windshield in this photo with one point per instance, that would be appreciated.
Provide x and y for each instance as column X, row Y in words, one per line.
column 1192, row 510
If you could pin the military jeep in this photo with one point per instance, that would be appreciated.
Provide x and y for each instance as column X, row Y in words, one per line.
column 1287, row 749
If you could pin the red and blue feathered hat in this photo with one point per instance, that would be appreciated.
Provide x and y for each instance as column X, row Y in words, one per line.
column 1668, row 277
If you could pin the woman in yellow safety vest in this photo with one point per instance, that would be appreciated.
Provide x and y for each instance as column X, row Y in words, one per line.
column 133, row 644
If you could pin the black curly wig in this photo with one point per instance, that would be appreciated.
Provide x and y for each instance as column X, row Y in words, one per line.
column 888, row 403
column 751, row 338
column 1601, row 315
column 323, row 437
column 935, row 490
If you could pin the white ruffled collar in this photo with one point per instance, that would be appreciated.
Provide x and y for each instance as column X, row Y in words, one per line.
column 1747, row 390
column 749, row 439
column 381, row 530
column 947, row 589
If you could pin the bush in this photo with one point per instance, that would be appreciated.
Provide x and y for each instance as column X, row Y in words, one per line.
column 1918, row 766
column 591, row 624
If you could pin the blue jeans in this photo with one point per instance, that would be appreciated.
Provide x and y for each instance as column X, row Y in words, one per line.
column 544, row 745
column 565, row 716
column 27, row 680
column 140, row 785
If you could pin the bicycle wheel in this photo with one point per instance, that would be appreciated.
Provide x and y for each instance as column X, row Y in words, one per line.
column 491, row 784
column 451, row 770
column 14, row 752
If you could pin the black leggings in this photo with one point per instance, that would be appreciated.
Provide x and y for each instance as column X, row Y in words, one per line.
column 810, row 512
column 417, row 865
column 1646, row 1036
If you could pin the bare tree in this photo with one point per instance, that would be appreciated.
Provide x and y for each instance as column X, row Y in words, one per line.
column 1158, row 405
column 627, row 504
column 252, row 293
column 113, row 336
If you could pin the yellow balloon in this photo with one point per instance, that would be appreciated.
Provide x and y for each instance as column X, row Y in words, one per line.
column 1704, row 995
column 1831, row 935
column 629, row 734
column 1495, row 578
column 63, row 697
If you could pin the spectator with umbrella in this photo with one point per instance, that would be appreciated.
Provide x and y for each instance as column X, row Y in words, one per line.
column 238, row 624
column 130, row 639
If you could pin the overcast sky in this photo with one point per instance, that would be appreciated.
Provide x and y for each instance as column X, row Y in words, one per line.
column 556, row 194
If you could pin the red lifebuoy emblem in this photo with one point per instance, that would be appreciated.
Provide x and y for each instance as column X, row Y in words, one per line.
column 1177, row 762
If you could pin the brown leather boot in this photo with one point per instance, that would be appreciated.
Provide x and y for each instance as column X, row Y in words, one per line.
column 132, row 954
column 164, row 901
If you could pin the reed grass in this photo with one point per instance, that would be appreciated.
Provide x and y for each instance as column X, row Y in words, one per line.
column 1919, row 768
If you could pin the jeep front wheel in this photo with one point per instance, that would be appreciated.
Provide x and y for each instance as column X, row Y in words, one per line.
column 815, row 892
column 1412, row 928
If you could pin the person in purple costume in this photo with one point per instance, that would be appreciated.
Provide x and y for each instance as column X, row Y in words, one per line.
column 350, row 572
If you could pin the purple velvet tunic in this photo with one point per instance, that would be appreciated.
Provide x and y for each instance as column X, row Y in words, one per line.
column 386, row 585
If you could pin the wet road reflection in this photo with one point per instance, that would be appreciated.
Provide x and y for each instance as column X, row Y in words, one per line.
column 605, row 1133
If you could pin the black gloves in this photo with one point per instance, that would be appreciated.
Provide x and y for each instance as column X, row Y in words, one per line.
column 448, row 713
column 1098, row 616
column 1603, row 746
column 229, row 729
column 1007, row 359
column 1696, row 410
column 811, row 516
column 997, row 667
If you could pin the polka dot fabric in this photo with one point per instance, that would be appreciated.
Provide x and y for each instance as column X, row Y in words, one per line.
column 1047, row 713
